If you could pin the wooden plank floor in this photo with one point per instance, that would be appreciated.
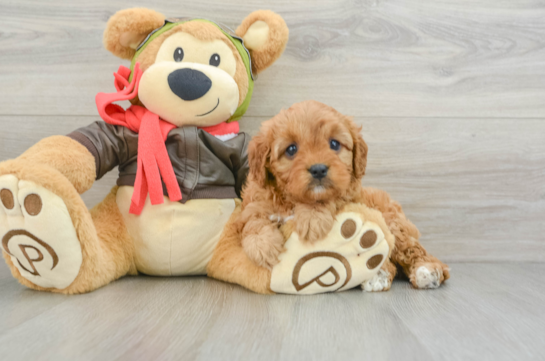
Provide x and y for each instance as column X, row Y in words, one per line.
column 486, row 312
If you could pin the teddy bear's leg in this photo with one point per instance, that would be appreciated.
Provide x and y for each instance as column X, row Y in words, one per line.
column 423, row 269
column 230, row 263
column 50, row 240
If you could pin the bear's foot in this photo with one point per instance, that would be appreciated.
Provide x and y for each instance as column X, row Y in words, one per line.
column 348, row 256
column 37, row 234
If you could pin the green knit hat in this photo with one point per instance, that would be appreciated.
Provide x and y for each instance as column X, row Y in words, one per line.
column 237, row 42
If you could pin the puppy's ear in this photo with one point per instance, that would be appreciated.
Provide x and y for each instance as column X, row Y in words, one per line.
column 127, row 28
column 359, row 159
column 265, row 34
column 259, row 151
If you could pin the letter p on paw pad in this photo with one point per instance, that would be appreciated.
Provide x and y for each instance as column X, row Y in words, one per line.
column 350, row 254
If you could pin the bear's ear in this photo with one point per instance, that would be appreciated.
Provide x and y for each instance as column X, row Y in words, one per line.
column 127, row 28
column 265, row 35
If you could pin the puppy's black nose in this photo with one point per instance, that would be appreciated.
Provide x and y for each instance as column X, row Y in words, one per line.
column 189, row 84
column 318, row 171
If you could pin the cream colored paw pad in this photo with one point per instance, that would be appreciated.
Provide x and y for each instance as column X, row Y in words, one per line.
column 36, row 231
column 351, row 254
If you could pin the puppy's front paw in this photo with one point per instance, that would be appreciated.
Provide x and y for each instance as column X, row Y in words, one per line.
column 429, row 275
column 382, row 281
column 313, row 225
column 264, row 247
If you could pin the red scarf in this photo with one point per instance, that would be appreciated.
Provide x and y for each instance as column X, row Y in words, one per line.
column 153, row 160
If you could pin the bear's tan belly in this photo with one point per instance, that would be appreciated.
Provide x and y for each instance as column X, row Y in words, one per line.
column 175, row 239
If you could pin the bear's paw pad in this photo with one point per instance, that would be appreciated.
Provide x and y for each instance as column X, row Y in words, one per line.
column 37, row 233
column 349, row 255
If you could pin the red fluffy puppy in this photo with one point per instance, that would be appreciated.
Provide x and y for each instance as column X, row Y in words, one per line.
column 307, row 163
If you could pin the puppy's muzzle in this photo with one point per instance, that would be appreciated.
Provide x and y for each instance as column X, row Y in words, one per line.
column 189, row 84
column 318, row 171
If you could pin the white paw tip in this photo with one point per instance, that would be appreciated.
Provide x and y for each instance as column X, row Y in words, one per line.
column 427, row 279
column 379, row 282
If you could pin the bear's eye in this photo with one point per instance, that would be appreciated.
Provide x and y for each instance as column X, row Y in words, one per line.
column 291, row 150
column 214, row 60
column 334, row 144
column 178, row 54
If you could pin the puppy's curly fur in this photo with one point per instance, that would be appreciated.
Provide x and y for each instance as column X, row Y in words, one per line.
column 281, row 185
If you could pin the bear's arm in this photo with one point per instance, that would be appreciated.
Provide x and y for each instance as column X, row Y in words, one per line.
column 236, row 158
column 242, row 167
column 110, row 145
column 233, row 153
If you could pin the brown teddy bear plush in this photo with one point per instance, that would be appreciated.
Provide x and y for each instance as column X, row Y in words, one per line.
column 181, row 158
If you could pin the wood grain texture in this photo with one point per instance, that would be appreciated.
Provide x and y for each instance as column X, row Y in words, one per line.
column 487, row 311
column 367, row 57
column 474, row 187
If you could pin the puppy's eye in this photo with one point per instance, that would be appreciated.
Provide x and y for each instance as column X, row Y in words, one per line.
column 334, row 144
column 291, row 150
column 178, row 54
column 215, row 60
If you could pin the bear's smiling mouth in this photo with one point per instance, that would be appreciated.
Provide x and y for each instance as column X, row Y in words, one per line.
column 200, row 115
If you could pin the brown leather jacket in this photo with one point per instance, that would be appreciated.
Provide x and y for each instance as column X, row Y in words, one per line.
column 205, row 166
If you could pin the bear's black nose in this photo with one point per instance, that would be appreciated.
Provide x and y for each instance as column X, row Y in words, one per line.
column 318, row 171
column 189, row 84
